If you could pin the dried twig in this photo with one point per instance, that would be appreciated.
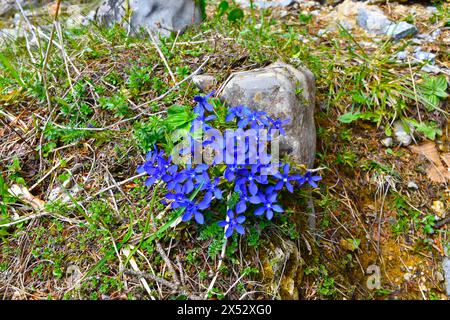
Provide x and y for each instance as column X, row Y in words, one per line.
column 161, row 54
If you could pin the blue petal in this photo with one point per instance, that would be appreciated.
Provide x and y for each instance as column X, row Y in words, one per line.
column 211, row 117
column 277, row 208
column 289, row 187
column 222, row 223
column 229, row 117
column 269, row 214
column 150, row 181
column 205, row 202
column 279, row 185
column 218, row 193
column 241, row 206
column 255, row 199
column 188, row 186
column 259, row 211
column 272, row 197
column 141, row 169
column 253, row 188
column 199, row 218
column 240, row 229
column 313, row 184
column 186, row 216
column 286, row 168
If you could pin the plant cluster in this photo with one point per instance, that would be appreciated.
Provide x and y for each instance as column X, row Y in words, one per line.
column 193, row 188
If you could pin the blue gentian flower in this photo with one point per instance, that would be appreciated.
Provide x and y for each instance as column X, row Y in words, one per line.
column 175, row 184
column 212, row 187
column 232, row 223
column 239, row 112
column 248, row 171
column 200, row 123
column 155, row 166
column 267, row 200
column 241, row 206
column 278, row 125
column 285, row 179
column 254, row 119
column 193, row 209
column 203, row 104
column 230, row 172
column 191, row 176
column 309, row 178
column 249, row 179
column 179, row 199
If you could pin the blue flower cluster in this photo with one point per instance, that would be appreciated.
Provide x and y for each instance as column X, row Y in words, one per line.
column 258, row 191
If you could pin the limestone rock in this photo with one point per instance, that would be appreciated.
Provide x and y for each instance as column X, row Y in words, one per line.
column 283, row 92
column 387, row 142
column 204, row 82
column 403, row 138
column 401, row 30
column 350, row 14
column 283, row 269
column 162, row 16
column 373, row 20
column 413, row 185
column 7, row 7
column 446, row 269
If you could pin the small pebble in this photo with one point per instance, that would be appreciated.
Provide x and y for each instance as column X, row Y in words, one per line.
column 431, row 69
column 388, row 142
column 402, row 55
column 412, row 185
column 424, row 56
column 403, row 138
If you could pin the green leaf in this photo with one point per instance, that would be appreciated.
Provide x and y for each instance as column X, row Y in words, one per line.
column 235, row 14
column 429, row 130
column 388, row 131
column 433, row 89
column 441, row 83
column 11, row 69
column 349, row 117
column 178, row 116
column 222, row 8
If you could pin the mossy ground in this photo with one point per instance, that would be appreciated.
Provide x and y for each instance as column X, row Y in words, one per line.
column 80, row 118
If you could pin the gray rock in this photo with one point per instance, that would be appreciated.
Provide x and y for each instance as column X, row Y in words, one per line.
column 403, row 138
column 388, row 142
column 9, row 35
column 446, row 269
column 424, row 56
column 283, row 92
column 401, row 30
column 7, row 7
column 413, row 185
column 321, row 32
column 402, row 55
column 373, row 20
column 347, row 25
column 429, row 68
column 162, row 16
column 204, row 82
column 432, row 9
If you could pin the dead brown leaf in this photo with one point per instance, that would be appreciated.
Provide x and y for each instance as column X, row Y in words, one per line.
column 436, row 171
